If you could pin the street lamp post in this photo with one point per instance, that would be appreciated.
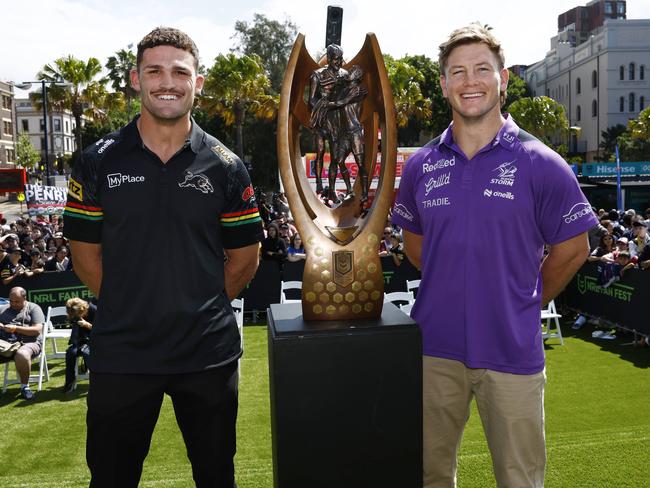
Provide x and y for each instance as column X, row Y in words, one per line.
column 25, row 85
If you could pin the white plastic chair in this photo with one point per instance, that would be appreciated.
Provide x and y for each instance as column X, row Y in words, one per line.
column 412, row 285
column 238, row 307
column 289, row 285
column 42, row 368
column 549, row 314
column 53, row 334
column 406, row 308
column 399, row 296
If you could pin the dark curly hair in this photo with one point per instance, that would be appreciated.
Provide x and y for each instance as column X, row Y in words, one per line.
column 167, row 36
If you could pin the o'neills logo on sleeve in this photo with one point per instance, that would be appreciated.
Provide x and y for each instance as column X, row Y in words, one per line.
column 576, row 212
column 402, row 211
column 117, row 179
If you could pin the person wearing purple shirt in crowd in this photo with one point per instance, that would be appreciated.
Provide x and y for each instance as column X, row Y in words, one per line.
column 480, row 318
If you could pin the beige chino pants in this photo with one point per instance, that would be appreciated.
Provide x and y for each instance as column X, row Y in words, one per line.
column 512, row 413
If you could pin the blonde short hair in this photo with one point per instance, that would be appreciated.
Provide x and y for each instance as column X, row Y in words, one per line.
column 76, row 307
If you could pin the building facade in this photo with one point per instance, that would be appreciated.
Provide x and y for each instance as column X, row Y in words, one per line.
column 601, row 82
column 8, row 129
column 60, row 129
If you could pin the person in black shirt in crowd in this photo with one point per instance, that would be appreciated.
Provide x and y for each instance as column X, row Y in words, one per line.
column 60, row 261
column 81, row 315
column 274, row 247
column 163, row 329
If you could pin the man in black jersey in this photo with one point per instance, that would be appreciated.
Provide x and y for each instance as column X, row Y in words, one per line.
column 163, row 325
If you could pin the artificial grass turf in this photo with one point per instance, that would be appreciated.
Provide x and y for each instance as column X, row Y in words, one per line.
column 597, row 424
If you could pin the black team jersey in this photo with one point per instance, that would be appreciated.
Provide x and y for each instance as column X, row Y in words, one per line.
column 163, row 228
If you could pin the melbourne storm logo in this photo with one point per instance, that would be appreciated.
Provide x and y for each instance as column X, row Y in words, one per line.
column 506, row 174
column 198, row 182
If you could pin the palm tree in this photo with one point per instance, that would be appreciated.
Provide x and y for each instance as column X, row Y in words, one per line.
column 119, row 69
column 237, row 85
column 83, row 94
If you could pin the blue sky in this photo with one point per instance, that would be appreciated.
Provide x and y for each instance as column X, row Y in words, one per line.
column 36, row 32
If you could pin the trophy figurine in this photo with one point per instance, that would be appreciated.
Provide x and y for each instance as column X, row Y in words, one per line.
column 344, row 106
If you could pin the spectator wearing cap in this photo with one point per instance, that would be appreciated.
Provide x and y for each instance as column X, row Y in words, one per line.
column 10, row 268
column 60, row 261
column 59, row 240
column 396, row 249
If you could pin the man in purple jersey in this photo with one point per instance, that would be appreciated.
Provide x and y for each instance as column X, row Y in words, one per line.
column 480, row 316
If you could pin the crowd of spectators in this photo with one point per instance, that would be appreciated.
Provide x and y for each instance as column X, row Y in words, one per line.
column 283, row 242
column 32, row 246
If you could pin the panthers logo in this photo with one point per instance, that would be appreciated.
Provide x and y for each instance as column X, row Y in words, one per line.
column 198, row 182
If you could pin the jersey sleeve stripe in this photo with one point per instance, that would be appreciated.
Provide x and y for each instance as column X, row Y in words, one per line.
column 83, row 207
column 249, row 219
column 83, row 214
column 242, row 212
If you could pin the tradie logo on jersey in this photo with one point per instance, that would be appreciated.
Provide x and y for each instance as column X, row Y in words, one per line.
column 506, row 174
column 117, row 179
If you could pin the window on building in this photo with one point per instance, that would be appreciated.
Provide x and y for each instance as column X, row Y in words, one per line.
column 67, row 126
column 57, row 125
column 621, row 73
column 620, row 8
column 641, row 103
column 578, row 113
column 67, row 144
column 621, row 104
column 642, row 72
column 631, row 71
column 25, row 123
column 7, row 127
column 594, row 79
column 594, row 108
column 42, row 143
column 631, row 102
column 42, row 125
column 11, row 155
column 6, row 102
column 578, row 85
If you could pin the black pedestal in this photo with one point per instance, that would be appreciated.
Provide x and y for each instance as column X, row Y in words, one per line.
column 346, row 401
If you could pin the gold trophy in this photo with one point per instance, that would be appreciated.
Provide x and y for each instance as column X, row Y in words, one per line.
column 345, row 106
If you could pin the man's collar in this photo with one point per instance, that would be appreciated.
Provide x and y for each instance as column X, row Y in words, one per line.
column 132, row 136
column 507, row 135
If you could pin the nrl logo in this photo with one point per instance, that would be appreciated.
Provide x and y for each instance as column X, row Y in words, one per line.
column 198, row 182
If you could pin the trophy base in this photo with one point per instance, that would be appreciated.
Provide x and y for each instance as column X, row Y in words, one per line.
column 346, row 400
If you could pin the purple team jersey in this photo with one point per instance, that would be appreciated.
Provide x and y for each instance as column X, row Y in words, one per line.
column 485, row 223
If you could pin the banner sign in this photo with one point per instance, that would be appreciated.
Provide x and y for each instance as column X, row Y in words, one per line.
column 12, row 180
column 618, row 303
column 45, row 200
column 610, row 169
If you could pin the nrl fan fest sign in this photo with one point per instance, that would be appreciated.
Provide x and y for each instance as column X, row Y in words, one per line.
column 45, row 200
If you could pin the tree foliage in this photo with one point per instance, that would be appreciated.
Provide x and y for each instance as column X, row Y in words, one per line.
column 26, row 154
column 634, row 143
column 271, row 40
column 541, row 116
column 84, row 95
column 235, row 86
column 119, row 68
column 609, row 139
column 640, row 127
column 405, row 81
column 517, row 88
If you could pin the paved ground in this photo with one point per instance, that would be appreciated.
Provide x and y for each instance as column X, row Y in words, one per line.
column 12, row 210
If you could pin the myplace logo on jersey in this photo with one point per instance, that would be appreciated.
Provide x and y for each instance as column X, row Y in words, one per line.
column 117, row 179
column 440, row 164
column 506, row 174
column 578, row 211
column 401, row 210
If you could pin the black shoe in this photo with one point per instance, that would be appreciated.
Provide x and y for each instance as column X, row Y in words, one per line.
column 68, row 387
column 26, row 393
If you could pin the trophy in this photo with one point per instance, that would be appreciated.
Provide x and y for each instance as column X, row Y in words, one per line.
column 346, row 106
